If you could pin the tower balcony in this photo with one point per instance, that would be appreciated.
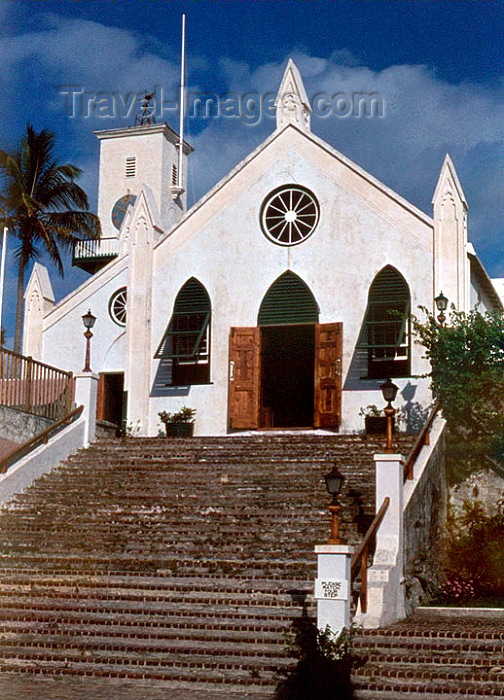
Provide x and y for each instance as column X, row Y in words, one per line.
column 91, row 254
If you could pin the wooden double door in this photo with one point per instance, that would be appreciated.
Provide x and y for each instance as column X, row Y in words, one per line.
column 286, row 376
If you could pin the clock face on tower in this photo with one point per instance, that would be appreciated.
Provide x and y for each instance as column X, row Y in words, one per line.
column 120, row 207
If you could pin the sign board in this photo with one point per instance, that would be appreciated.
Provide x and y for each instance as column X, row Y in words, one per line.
column 331, row 589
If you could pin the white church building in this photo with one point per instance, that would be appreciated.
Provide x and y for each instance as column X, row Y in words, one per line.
column 280, row 300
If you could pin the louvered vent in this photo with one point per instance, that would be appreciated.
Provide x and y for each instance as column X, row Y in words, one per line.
column 386, row 329
column 131, row 166
column 192, row 298
column 288, row 300
column 388, row 286
column 186, row 333
column 174, row 174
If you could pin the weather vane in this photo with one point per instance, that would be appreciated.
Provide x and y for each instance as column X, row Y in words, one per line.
column 145, row 116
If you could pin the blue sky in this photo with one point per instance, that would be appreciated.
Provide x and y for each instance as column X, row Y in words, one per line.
column 437, row 64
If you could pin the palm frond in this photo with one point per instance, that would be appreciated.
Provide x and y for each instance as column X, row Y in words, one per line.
column 41, row 202
column 65, row 195
column 73, row 224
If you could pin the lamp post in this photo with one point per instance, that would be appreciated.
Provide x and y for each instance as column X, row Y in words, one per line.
column 88, row 320
column 334, row 483
column 442, row 305
column 389, row 391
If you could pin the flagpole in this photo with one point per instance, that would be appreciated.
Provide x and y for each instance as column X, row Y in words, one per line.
column 182, row 105
column 2, row 276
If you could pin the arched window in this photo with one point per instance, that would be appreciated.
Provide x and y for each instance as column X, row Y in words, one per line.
column 288, row 300
column 386, row 333
column 187, row 339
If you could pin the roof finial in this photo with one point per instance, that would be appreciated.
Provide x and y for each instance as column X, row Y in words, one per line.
column 292, row 104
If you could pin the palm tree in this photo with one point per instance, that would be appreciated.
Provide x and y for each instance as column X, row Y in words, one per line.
column 43, row 207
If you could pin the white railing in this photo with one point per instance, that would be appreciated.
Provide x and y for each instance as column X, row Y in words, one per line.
column 96, row 248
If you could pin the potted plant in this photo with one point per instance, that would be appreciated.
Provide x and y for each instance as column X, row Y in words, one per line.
column 179, row 424
column 374, row 420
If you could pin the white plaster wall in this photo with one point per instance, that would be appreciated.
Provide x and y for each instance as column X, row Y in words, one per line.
column 498, row 284
column 361, row 229
column 479, row 298
column 64, row 343
column 42, row 460
column 155, row 154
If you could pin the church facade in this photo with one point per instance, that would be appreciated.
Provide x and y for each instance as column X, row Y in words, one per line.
column 281, row 300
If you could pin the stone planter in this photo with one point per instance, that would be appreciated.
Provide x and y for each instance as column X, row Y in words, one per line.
column 180, row 430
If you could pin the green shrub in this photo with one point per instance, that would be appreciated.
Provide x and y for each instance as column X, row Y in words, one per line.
column 324, row 666
column 473, row 563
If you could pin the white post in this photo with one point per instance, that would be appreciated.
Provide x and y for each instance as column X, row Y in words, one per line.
column 385, row 577
column 2, row 271
column 390, row 482
column 333, row 586
column 86, row 393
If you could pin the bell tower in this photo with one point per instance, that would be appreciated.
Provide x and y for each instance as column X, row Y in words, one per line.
column 131, row 157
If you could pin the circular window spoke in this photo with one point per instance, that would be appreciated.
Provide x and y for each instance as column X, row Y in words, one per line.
column 300, row 210
column 117, row 306
column 289, row 215
column 279, row 223
column 282, row 211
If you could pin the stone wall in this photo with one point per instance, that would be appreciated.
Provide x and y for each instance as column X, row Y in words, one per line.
column 424, row 520
column 19, row 426
column 484, row 485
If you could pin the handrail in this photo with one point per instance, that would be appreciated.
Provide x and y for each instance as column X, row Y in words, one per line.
column 34, row 387
column 423, row 438
column 361, row 555
column 35, row 441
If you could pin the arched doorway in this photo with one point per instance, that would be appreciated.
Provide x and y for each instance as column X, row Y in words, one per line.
column 286, row 371
column 287, row 319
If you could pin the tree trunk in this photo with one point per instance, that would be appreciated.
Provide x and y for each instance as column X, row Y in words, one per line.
column 19, row 305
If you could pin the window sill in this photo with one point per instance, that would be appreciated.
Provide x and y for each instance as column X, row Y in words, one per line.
column 192, row 384
column 392, row 376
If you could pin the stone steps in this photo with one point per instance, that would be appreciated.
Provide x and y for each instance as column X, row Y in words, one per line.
column 431, row 656
column 177, row 563
column 21, row 631
column 199, row 671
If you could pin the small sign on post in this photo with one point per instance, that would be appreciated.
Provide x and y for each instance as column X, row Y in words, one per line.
column 331, row 589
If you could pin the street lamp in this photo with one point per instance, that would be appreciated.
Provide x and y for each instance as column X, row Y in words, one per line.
column 442, row 305
column 389, row 391
column 88, row 320
column 334, row 483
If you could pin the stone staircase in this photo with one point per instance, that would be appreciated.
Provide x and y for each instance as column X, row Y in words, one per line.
column 146, row 566
column 174, row 563
column 434, row 654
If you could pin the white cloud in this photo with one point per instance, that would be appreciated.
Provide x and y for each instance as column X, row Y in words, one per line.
column 425, row 118
column 90, row 54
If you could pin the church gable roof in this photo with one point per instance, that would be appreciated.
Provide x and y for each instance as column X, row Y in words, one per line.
column 311, row 146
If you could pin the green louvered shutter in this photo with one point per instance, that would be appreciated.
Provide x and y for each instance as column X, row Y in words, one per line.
column 186, row 335
column 386, row 328
column 288, row 300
